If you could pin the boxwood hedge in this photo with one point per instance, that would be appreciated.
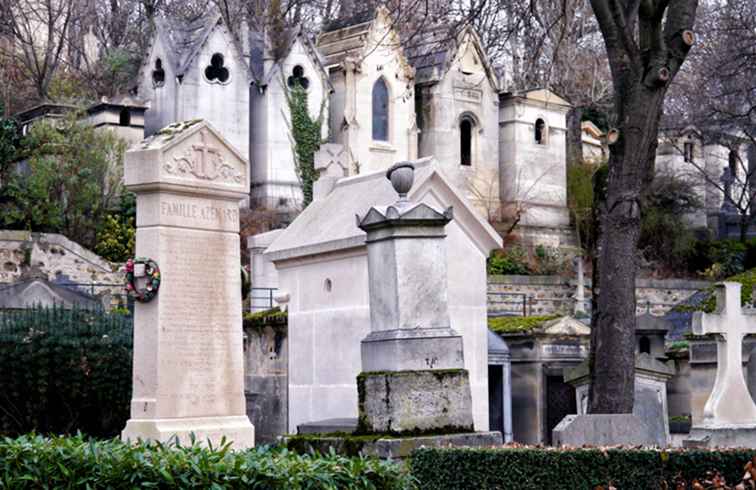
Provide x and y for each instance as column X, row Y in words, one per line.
column 33, row 461
column 571, row 469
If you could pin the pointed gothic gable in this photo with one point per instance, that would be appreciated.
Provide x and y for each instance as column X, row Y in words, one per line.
column 188, row 155
column 264, row 49
column 357, row 37
column 433, row 52
column 328, row 224
column 182, row 41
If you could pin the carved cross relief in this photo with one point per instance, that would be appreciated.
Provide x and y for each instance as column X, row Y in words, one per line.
column 204, row 162
column 730, row 403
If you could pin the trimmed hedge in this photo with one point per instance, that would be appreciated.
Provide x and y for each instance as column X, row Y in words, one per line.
column 63, row 371
column 76, row 462
column 571, row 469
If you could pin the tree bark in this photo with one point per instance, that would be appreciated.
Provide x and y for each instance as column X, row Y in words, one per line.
column 574, row 136
column 643, row 61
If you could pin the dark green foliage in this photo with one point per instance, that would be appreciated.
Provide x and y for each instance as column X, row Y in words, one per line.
column 9, row 142
column 63, row 371
column 32, row 462
column 274, row 318
column 580, row 201
column 71, row 179
column 305, row 131
column 116, row 236
column 717, row 259
column 513, row 260
column 666, row 241
column 573, row 469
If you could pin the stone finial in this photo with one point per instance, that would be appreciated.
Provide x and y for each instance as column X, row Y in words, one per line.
column 402, row 176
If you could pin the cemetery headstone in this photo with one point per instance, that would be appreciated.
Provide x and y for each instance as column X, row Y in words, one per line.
column 651, row 377
column 188, row 360
column 729, row 418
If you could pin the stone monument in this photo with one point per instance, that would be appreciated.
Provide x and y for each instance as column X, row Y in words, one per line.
column 729, row 418
column 188, row 361
column 413, row 377
column 650, row 405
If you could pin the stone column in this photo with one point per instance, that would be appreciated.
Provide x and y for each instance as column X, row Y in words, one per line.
column 188, row 348
column 413, row 377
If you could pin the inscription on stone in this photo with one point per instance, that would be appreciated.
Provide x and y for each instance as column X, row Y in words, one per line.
column 196, row 211
column 469, row 94
column 564, row 350
column 200, row 324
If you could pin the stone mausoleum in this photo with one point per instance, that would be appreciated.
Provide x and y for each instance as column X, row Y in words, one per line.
column 322, row 269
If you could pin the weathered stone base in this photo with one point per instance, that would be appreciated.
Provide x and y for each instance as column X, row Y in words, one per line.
column 725, row 437
column 411, row 402
column 409, row 349
column 603, row 430
column 387, row 447
column 328, row 426
column 237, row 429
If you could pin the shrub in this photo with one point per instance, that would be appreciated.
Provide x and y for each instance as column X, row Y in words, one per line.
column 63, row 371
column 37, row 462
column 569, row 469
column 513, row 260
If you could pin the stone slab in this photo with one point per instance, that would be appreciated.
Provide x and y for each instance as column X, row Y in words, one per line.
column 411, row 401
column 390, row 447
column 603, row 430
column 346, row 425
column 204, row 430
column 723, row 437
column 412, row 349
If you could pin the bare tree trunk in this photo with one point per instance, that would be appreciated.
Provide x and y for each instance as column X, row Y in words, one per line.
column 643, row 61
column 574, row 136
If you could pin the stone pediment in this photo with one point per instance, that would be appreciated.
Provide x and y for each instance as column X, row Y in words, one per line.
column 565, row 325
column 189, row 154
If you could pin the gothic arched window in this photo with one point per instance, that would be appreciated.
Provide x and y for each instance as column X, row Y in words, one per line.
column 466, row 141
column 540, row 131
column 380, row 110
column 215, row 71
column 124, row 118
column 297, row 78
column 158, row 74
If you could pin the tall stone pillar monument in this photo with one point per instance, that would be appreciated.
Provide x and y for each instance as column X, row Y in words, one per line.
column 413, row 377
column 188, row 365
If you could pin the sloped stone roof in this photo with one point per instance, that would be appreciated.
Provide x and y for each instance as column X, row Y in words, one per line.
column 184, row 39
column 32, row 292
column 329, row 224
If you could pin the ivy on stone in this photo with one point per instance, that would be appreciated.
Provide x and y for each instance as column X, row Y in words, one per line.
column 305, row 131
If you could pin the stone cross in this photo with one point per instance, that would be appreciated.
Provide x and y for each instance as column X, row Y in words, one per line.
column 205, row 152
column 730, row 404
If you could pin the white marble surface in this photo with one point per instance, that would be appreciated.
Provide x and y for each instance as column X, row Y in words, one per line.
column 730, row 404
column 188, row 364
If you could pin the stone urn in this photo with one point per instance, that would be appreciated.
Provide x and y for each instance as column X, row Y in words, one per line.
column 402, row 176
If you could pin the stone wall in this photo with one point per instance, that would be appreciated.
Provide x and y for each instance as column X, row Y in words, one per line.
column 266, row 360
column 54, row 257
column 548, row 295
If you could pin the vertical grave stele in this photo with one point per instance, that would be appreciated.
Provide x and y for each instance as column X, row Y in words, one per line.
column 188, row 353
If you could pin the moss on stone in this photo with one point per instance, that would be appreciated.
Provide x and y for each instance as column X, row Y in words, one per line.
column 517, row 324
column 274, row 318
column 678, row 345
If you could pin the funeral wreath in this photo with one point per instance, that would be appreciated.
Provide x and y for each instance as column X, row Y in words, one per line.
column 151, row 271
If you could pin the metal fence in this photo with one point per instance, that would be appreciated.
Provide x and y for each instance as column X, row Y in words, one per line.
column 261, row 299
column 111, row 295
